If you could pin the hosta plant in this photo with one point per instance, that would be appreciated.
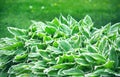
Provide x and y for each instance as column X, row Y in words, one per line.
column 63, row 47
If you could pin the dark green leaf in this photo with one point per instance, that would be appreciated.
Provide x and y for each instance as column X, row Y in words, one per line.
column 75, row 30
column 50, row 30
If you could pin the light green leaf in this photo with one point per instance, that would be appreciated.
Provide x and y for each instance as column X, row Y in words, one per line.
column 54, row 50
column 13, row 46
column 88, row 21
column 41, row 35
column 102, row 44
column 20, row 69
column 59, row 34
column 34, row 55
column 7, row 52
column 82, row 62
column 65, row 45
column 106, row 29
column 26, row 75
column 17, row 31
column 113, row 56
column 63, row 19
column 85, row 32
column 47, row 39
column 115, row 27
column 108, row 65
column 65, row 59
column 40, row 26
column 45, row 55
column 73, row 72
column 92, row 49
column 64, row 28
column 56, row 22
column 63, row 65
column 71, row 20
column 20, row 57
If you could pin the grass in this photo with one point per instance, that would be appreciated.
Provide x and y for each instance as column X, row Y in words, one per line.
column 18, row 13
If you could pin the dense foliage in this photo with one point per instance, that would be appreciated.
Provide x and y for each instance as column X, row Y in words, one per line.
column 62, row 48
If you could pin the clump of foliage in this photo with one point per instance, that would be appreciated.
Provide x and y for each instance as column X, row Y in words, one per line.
column 62, row 48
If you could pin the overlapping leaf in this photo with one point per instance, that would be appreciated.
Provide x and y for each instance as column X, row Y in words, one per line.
column 62, row 48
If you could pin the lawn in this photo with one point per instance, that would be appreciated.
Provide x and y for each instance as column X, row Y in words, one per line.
column 18, row 13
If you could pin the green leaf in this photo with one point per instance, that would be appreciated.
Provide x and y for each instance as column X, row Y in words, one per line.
column 82, row 61
column 7, row 52
column 38, row 70
column 89, row 58
column 4, row 61
column 73, row 72
column 98, row 57
column 40, row 26
column 19, row 58
column 99, row 72
column 42, row 46
column 62, row 48
column 113, row 56
column 59, row 34
column 87, row 20
column 64, row 28
column 92, row 49
column 47, row 39
column 55, row 44
column 34, row 55
column 75, row 30
column 112, row 36
column 26, row 75
column 54, row 50
column 20, row 69
column 71, row 21
column 65, row 59
column 118, row 42
column 95, row 37
column 13, row 46
column 106, row 29
column 41, row 35
column 17, row 31
column 56, row 22
column 108, row 65
column 106, row 73
column 53, row 73
column 102, row 44
column 75, row 41
column 63, row 19
column 50, row 30
column 45, row 55
column 85, row 32
column 65, row 45
column 115, row 27
column 63, row 65
column 94, row 58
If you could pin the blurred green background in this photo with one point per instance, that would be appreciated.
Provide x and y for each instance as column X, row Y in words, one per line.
column 18, row 13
